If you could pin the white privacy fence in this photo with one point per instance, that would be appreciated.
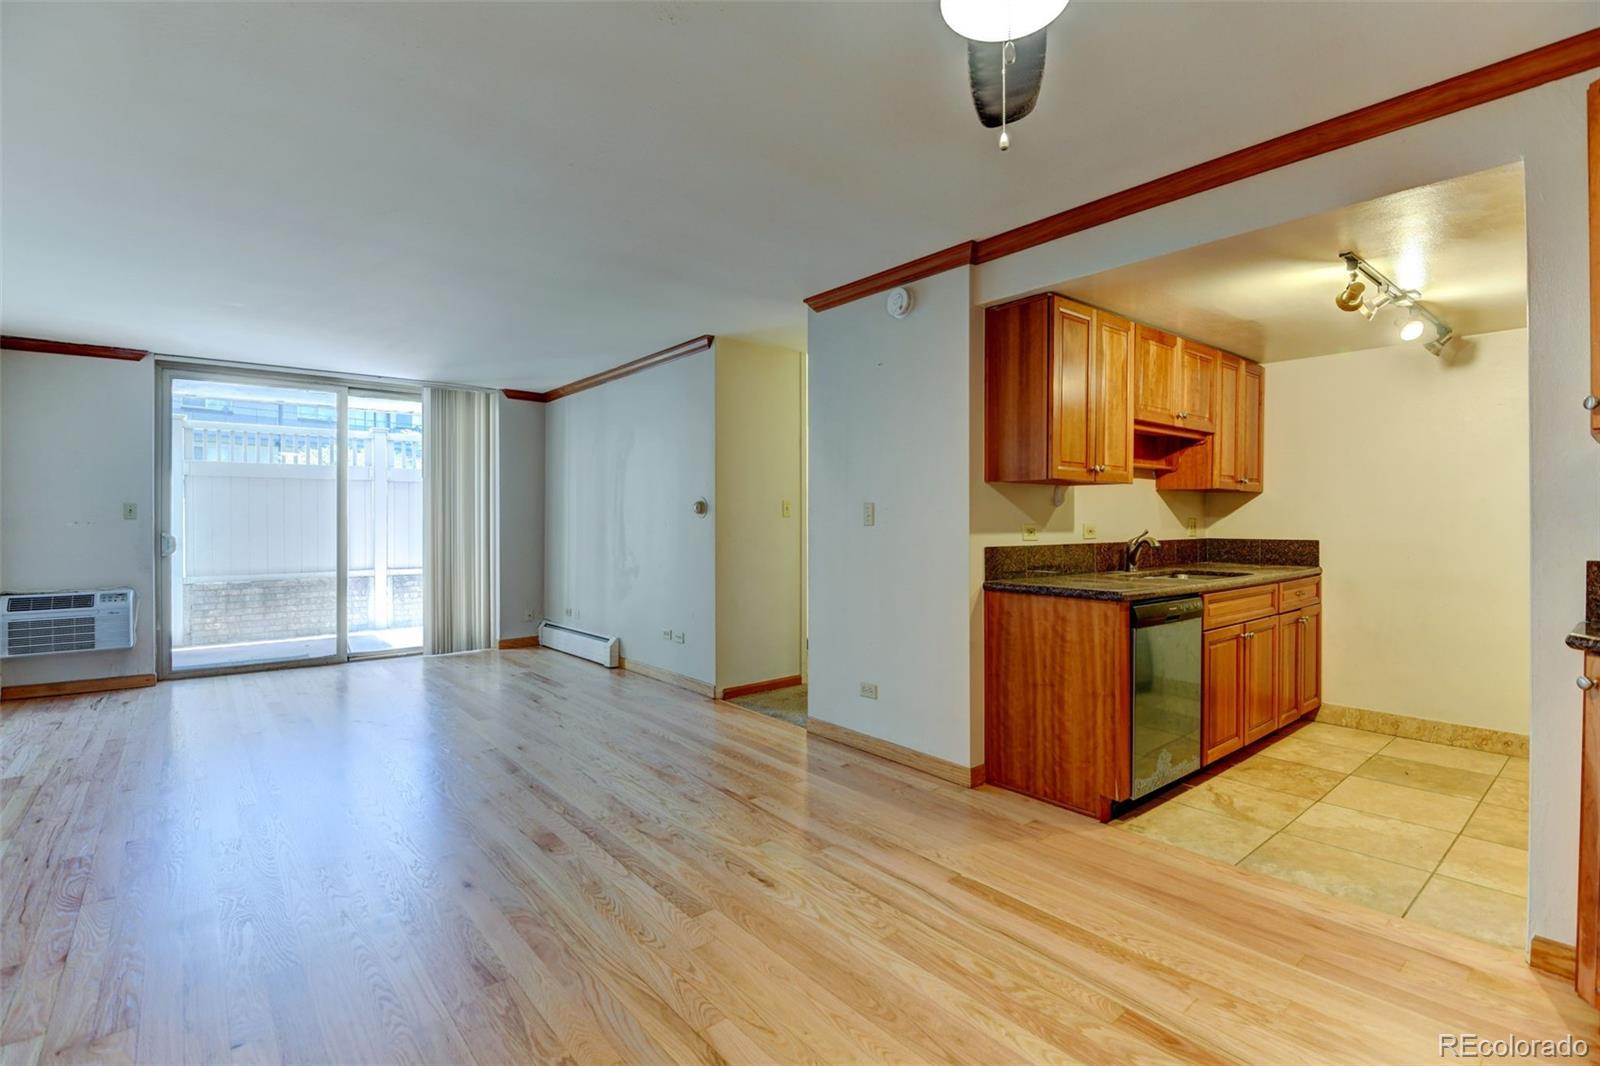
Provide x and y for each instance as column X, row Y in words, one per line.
column 259, row 502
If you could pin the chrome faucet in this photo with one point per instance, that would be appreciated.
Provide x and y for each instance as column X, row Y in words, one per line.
column 1136, row 546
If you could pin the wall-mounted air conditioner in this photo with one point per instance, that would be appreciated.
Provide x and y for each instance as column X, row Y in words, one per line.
column 603, row 650
column 48, row 623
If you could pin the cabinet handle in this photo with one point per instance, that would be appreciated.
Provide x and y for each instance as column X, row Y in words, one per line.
column 1591, row 402
column 1304, row 620
column 1587, row 683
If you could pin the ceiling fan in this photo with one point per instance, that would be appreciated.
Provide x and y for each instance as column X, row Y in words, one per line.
column 1005, row 54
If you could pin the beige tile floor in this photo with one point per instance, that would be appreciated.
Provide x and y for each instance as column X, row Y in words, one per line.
column 1433, row 833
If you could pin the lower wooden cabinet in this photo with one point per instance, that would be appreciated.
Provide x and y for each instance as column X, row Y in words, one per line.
column 1260, row 674
column 1239, row 677
column 1299, row 663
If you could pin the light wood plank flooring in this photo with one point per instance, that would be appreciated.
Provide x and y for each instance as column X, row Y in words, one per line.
column 517, row 856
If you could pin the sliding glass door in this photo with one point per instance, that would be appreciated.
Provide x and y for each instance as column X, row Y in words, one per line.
column 291, row 516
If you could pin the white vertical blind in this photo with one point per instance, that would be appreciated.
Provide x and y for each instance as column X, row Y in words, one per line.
column 458, row 533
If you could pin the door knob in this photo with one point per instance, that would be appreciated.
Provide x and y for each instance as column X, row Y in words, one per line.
column 1591, row 402
column 1587, row 683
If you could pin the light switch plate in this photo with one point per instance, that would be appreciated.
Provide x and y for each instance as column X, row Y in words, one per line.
column 1194, row 527
column 130, row 512
column 1030, row 532
column 677, row 638
column 869, row 691
column 788, row 511
column 869, row 514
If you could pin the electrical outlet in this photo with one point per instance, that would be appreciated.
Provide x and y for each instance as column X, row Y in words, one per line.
column 130, row 512
column 527, row 616
column 1193, row 526
column 666, row 634
column 1089, row 532
column 788, row 511
column 869, row 691
column 1030, row 532
column 677, row 637
column 576, row 613
column 567, row 611
column 869, row 514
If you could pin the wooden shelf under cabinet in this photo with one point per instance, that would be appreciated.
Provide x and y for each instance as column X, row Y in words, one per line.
column 1230, row 458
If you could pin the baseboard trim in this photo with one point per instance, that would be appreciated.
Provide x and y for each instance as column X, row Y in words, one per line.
column 733, row 692
column 1475, row 738
column 944, row 770
column 509, row 643
column 1553, row 957
column 77, row 688
column 656, row 673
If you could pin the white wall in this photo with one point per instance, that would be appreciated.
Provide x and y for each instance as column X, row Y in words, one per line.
column 1543, row 127
column 888, row 408
column 625, row 554
column 79, row 443
column 520, row 530
column 758, row 546
column 1413, row 473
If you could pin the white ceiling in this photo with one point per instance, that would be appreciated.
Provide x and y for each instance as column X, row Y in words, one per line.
column 519, row 194
column 1268, row 295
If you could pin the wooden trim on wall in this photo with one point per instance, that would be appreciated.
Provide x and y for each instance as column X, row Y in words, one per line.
column 699, row 688
column 644, row 362
column 77, row 688
column 524, row 394
column 511, row 643
column 733, row 692
column 48, row 347
column 904, row 274
column 1553, row 957
column 955, row 773
column 1594, row 255
column 1529, row 70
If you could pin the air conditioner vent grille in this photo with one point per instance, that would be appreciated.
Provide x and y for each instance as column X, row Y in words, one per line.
column 51, row 602
column 36, row 636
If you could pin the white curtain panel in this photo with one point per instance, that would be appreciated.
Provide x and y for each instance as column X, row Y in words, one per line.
column 458, row 532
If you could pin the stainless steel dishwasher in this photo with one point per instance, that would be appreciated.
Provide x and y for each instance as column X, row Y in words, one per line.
column 1166, row 692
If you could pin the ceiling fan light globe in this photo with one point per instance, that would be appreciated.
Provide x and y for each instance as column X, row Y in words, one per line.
column 999, row 20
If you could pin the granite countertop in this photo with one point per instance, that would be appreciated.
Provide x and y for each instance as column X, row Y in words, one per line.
column 1586, row 637
column 1148, row 584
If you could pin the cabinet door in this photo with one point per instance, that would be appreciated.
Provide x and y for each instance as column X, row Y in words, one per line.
column 1222, row 692
column 1073, row 377
column 1198, row 385
column 1225, row 457
column 1309, row 653
column 1287, row 685
column 1252, row 397
column 1111, row 414
column 1259, row 700
column 1158, row 385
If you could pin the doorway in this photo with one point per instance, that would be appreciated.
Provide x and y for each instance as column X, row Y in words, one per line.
column 291, row 513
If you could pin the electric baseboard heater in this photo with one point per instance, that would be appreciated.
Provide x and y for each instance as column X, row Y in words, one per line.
column 607, row 651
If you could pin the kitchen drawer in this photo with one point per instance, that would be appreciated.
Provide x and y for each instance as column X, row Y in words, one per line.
column 1302, row 592
column 1240, row 605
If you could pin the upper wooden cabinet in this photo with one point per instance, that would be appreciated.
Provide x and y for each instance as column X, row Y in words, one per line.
column 1230, row 458
column 1175, row 381
column 1058, row 393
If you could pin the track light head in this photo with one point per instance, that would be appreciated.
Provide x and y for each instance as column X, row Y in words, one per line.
column 1369, row 308
column 1443, row 338
column 1411, row 329
column 1350, row 298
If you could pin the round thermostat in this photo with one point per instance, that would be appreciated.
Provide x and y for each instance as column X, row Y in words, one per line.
column 899, row 302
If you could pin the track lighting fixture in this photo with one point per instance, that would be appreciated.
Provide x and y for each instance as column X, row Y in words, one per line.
column 1385, row 292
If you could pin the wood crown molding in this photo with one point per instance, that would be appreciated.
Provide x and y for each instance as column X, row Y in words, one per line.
column 48, row 347
column 1529, row 70
column 77, row 688
column 644, row 362
column 904, row 274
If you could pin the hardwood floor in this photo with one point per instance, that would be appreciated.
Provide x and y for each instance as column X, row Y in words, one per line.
column 518, row 856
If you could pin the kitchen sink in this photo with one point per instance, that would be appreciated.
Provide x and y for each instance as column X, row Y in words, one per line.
column 1188, row 575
